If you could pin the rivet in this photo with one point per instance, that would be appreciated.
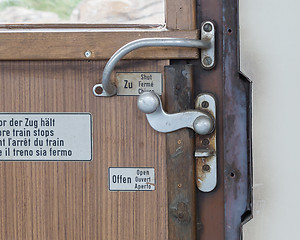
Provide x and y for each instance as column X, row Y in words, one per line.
column 88, row 53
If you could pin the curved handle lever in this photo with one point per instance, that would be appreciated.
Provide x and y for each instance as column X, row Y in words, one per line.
column 109, row 89
column 150, row 103
column 207, row 42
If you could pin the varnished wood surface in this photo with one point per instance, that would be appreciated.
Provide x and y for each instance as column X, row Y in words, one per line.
column 67, row 44
column 180, row 14
column 70, row 200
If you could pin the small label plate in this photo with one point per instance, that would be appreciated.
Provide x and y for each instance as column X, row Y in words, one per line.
column 45, row 137
column 130, row 84
column 131, row 179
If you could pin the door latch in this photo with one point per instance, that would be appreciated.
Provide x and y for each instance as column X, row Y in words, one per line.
column 201, row 120
column 150, row 103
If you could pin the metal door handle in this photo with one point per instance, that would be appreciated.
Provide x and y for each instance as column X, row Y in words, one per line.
column 207, row 44
column 150, row 103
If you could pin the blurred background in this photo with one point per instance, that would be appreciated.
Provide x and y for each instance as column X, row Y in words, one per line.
column 82, row 11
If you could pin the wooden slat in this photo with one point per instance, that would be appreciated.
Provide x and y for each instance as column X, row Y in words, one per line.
column 61, row 45
column 181, row 14
column 70, row 200
column 180, row 157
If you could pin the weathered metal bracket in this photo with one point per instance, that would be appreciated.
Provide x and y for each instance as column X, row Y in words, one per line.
column 200, row 121
column 206, row 156
column 208, row 55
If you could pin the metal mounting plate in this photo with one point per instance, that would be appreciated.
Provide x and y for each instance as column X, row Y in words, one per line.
column 206, row 156
column 208, row 55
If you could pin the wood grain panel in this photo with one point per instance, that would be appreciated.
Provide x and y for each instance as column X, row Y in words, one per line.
column 66, row 44
column 181, row 14
column 70, row 200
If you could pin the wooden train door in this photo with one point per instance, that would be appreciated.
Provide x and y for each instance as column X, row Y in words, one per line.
column 66, row 153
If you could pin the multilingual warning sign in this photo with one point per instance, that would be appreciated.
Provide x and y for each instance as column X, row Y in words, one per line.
column 45, row 137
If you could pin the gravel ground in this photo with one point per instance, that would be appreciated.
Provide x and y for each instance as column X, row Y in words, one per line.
column 93, row 11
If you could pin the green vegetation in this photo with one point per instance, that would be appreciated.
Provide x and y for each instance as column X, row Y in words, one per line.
column 63, row 8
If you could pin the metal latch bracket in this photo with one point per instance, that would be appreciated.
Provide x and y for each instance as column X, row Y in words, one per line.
column 206, row 155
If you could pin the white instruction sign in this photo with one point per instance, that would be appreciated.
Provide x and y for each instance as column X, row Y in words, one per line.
column 136, row 83
column 131, row 179
column 45, row 137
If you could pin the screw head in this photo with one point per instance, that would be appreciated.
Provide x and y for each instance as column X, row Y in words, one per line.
column 205, row 142
column 205, row 104
column 88, row 53
column 207, row 27
column 207, row 61
column 148, row 102
column 206, row 168
column 99, row 90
